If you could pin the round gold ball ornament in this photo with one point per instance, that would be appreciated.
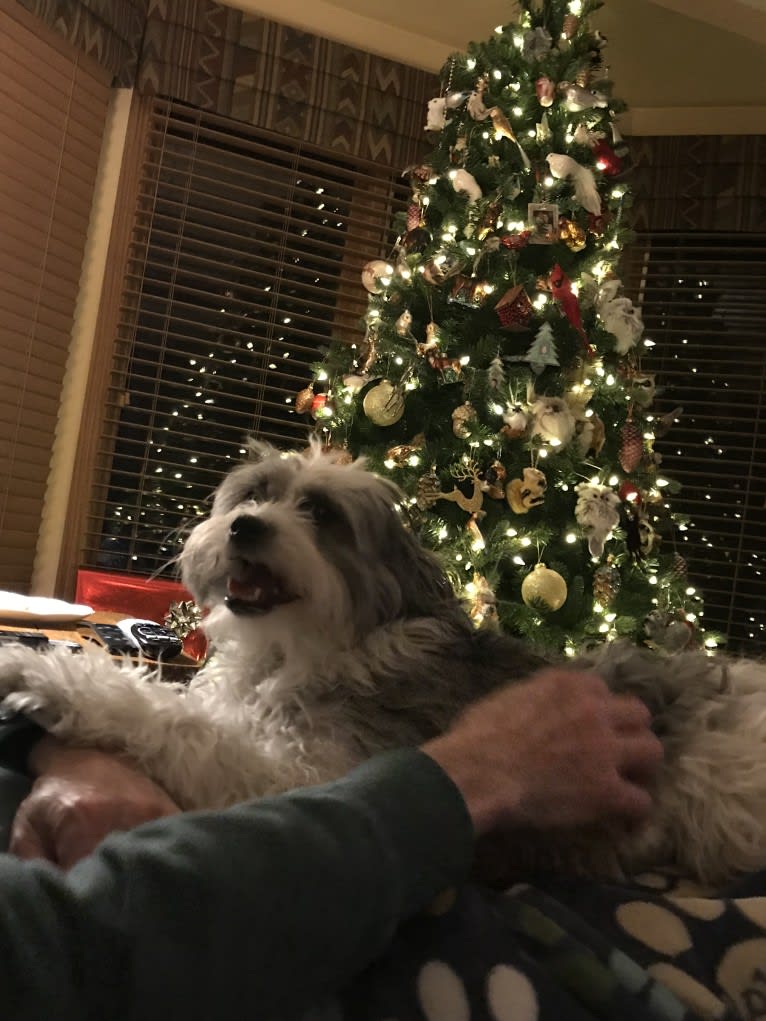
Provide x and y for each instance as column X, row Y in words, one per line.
column 376, row 275
column 383, row 404
column 544, row 587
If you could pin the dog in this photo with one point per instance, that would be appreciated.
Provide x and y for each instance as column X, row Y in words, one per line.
column 336, row 636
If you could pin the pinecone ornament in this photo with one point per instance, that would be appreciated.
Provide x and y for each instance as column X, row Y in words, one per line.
column 679, row 569
column 571, row 24
column 428, row 490
column 606, row 584
column 414, row 216
column 631, row 446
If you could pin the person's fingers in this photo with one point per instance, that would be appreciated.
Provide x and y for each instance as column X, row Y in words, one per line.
column 628, row 713
column 639, row 754
column 77, row 844
column 28, row 843
column 632, row 801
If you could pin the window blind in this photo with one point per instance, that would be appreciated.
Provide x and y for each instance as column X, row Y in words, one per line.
column 53, row 104
column 703, row 299
column 244, row 263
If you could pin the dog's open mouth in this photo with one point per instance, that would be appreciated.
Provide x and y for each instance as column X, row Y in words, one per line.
column 254, row 588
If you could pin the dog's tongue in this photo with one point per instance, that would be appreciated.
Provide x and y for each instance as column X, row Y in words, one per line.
column 255, row 588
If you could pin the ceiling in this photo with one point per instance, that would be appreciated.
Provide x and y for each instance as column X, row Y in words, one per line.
column 684, row 66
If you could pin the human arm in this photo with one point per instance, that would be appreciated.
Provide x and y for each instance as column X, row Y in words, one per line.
column 79, row 797
column 18, row 735
column 278, row 903
column 272, row 904
column 557, row 751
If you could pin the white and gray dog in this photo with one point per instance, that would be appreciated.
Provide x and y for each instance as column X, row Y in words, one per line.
column 335, row 635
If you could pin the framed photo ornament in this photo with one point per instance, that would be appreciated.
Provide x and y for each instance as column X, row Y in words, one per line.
column 543, row 223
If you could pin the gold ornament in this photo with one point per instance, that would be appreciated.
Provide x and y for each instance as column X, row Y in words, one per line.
column 572, row 234
column 304, row 400
column 544, row 587
column 467, row 472
column 402, row 453
column 376, row 275
column 462, row 417
column 384, row 403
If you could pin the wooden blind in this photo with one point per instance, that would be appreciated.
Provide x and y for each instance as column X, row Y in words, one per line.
column 53, row 104
column 704, row 304
column 244, row 264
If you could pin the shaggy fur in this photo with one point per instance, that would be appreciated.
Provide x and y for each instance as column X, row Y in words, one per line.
column 336, row 635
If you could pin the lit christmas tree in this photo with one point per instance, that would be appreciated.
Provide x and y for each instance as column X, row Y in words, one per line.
column 499, row 379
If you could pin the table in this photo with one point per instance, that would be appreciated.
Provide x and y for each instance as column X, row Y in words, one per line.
column 181, row 668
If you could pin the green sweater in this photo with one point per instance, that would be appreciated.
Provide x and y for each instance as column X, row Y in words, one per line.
column 252, row 913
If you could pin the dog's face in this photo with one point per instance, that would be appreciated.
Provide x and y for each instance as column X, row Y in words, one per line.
column 300, row 545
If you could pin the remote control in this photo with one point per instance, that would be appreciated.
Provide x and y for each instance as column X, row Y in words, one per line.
column 115, row 640
column 33, row 639
column 154, row 640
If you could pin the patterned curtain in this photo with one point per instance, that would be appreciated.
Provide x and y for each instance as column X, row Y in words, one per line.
column 700, row 183
column 255, row 70
column 284, row 80
column 110, row 31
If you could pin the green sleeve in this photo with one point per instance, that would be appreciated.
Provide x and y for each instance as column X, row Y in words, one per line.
column 17, row 736
column 255, row 912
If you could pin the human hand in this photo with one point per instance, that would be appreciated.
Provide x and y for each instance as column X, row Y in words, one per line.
column 80, row 796
column 559, row 750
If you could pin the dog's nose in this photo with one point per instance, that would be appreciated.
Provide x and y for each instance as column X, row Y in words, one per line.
column 248, row 528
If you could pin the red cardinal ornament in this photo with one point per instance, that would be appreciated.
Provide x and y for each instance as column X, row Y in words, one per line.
column 561, row 289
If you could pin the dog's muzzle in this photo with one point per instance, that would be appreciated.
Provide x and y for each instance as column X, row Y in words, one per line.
column 252, row 586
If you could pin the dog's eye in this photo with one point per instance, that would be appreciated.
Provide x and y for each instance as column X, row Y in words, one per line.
column 257, row 494
column 319, row 510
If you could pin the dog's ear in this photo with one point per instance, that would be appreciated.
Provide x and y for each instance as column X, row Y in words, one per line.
column 258, row 450
column 425, row 588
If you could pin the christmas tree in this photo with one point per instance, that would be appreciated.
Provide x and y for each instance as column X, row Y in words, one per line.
column 499, row 378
